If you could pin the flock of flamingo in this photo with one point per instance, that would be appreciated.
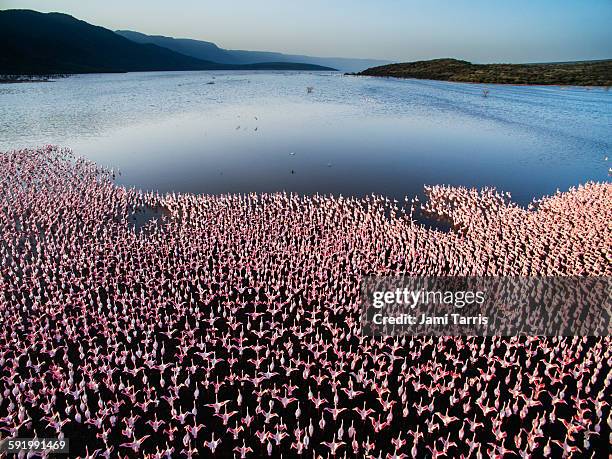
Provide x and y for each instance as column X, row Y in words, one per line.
column 230, row 326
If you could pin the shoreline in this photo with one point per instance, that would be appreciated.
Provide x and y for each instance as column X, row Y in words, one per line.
column 32, row 78
column 582, row 73
column 528, row 85
column 26, row 81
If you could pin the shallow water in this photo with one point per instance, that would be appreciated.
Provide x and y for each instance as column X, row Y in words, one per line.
column 262, row 131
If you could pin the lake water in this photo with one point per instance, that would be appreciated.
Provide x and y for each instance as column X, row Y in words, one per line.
column 263, row 131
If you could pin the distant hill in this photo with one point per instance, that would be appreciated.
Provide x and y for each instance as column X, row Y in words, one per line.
column 48, row 43
column 209, row 51
column 584, row 73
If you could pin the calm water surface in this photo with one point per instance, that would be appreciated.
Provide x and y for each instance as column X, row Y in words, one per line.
column 263, row 131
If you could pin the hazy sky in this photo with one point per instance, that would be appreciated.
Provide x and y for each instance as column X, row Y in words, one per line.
column 398, row 30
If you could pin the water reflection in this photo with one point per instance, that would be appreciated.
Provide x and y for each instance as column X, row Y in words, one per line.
column 176, row 132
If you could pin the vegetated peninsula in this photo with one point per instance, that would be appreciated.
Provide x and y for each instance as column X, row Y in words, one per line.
column 584, row 73
column 33, row 43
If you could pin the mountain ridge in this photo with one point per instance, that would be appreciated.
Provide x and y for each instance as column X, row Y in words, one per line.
column 47, row 43
column 202, row 49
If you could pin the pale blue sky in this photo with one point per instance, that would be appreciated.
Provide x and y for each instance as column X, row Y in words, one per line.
column 398, row 30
